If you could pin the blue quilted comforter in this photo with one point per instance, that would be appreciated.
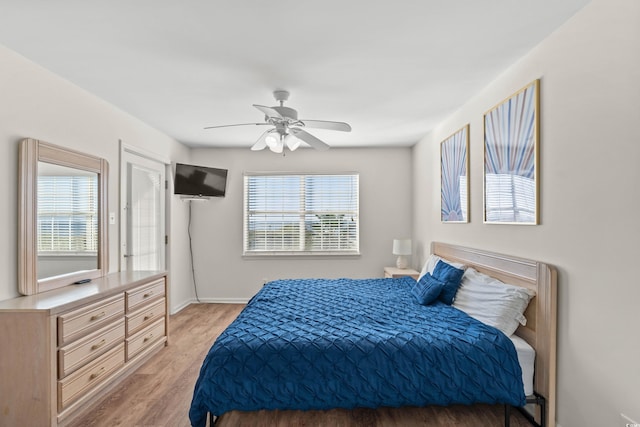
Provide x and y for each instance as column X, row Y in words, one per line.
column 345, row 343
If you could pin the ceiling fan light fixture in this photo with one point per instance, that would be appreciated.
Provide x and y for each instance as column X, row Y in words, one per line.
column 272, row 141
column 278, row 147
column 292, row 142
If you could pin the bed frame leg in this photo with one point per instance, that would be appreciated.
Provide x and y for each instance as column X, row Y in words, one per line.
column 507, row 415
column 539, row 400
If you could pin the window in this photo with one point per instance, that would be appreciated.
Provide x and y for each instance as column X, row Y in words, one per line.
column 291, row 214
column 67, row 215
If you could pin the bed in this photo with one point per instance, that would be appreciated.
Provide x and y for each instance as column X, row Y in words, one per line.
column 346, row 343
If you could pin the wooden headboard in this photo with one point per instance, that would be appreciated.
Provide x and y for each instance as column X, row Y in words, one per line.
column 540, row 331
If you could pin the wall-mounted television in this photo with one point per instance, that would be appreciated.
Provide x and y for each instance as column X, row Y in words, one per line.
column 199, row 181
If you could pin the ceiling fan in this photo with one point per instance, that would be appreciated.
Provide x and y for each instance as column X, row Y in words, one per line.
column 287, row 128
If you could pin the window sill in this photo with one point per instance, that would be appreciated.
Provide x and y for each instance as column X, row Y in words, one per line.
column 296, row 254
column 66, row 254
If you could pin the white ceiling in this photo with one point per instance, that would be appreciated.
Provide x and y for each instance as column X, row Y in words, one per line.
column 392, row 69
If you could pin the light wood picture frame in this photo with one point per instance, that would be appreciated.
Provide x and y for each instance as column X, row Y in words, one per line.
column 454, row 177
column 511, row 141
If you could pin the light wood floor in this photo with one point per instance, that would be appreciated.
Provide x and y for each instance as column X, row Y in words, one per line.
column 159, row 393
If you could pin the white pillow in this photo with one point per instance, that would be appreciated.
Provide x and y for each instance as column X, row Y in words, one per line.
column 493, row 302
column 430, row 265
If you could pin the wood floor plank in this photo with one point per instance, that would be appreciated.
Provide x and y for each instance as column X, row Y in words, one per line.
column 159, row 393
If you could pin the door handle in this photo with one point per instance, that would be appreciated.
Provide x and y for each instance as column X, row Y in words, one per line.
column 128, row 255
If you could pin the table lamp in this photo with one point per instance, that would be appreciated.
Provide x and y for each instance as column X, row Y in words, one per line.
column 402, row 248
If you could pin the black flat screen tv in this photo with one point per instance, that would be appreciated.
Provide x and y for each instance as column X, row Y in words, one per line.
column 199, row 181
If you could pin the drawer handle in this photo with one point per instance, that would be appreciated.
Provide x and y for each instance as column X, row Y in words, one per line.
column 97, row 346
column 148, row 294
column 147, row 338
column 96, row 374
column 148, row 316
column 97, row 316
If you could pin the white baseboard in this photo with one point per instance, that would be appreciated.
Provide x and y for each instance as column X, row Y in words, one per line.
column 225, row 300
column 180, row 307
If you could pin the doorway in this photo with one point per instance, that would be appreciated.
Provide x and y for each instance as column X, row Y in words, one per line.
column 143, row 193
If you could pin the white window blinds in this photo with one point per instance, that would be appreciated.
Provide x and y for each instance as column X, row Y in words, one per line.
column 512, row 198
column 67, row 214
column 301, row 214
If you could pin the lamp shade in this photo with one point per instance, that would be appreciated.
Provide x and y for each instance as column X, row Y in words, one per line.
column 402, row 246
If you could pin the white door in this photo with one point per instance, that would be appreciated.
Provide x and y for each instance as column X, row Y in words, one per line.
column 143, row 221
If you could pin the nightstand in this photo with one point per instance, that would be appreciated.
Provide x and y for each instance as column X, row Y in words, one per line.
column 400, row 272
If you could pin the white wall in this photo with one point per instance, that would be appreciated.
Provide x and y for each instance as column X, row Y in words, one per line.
column 35, row 103
column 590, row 199
column 385, row 213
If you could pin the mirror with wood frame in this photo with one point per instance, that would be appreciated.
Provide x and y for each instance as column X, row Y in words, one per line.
column 62, row 217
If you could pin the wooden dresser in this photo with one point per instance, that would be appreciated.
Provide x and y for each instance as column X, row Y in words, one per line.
column 64, row 349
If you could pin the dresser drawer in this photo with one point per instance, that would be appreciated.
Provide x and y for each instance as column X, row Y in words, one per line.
column 74, row 324
column 79, row 353
column 139, row 296
column 145, row 316
column 145, row 338
column 89, row 376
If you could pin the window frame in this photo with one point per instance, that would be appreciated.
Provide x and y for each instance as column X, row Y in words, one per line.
column 249, row 253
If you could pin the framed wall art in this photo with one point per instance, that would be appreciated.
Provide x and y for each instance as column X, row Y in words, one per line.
column 454, row 177
column 511, row 139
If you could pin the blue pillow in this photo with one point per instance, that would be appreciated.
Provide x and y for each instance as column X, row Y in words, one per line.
column 451, row 278
column 427, row 289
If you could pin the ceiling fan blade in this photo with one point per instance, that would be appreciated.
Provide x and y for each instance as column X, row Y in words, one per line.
column 309, row 139
column 324, row 124
column 261, row 143
column 268, row 111
column 240, row 124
